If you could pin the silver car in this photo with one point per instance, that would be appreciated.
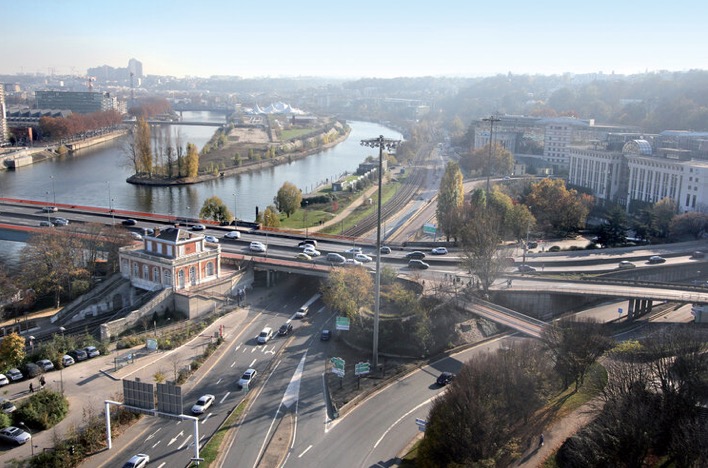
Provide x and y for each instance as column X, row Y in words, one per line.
column 14, row 435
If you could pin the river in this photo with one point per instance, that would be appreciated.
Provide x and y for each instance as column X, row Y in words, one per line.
column 96, row 176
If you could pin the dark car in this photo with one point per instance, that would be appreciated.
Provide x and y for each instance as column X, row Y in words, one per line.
column 418, row 264
column 654, row 259
column 129, row 222
column 325, row 335
column 445, row 378
column 285, row 329
column 385, row 250
column 526, row 269
column 31, row 370
column 78, row 354
column 417, row 254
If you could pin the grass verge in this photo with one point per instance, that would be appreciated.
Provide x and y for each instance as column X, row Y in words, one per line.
column 211, row 449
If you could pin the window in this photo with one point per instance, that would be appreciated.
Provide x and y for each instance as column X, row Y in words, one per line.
column 180, row 279
column 136, row 270
column 155, row 275
column 168, row 278
column 210, row 269
column 193, row 276
column 146, row 272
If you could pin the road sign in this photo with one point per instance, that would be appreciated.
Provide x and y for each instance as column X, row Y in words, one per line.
column 619, row 310
column 337, row 366
column 421, row 424
column 342, row 323
column 429, row 229
column 361, row 368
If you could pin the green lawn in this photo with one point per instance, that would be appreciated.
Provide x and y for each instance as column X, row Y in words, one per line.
column 295, row 133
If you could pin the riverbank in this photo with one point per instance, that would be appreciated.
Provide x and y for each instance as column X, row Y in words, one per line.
column 241, row 169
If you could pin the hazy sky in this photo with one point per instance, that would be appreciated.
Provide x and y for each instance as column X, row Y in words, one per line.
column 356, row 38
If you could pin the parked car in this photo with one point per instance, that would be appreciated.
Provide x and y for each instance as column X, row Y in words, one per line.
column 78, row 355
column 211, row 239
column 256, row 246
column 285, row 329
column 303, row 256
column 129, row 222
column 203, row 404
column 92, row 351
column 247, row 378
column 31, row 370
column 311, row 251
column 445, row 378
column 418, row 264
column 385, row 250
column 67, row 361
column 265, row 335
column 137, row 461
column 626, row 264
column 6, row 406
column 232, row 235
column 198, row 227
column 656, row 259
column 46, row 365
column 14, row 435
column 439, row 251
column 415, row 254
column 325, row 335
column 526, row 269
column 4, row 380
column 363, row 258
column 14, row 375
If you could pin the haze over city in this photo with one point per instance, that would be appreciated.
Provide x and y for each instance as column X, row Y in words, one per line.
column 354, row 39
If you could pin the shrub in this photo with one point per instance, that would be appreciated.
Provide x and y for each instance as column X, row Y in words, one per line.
column 43, row 410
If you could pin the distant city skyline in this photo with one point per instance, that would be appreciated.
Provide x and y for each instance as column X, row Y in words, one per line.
column 382, row 39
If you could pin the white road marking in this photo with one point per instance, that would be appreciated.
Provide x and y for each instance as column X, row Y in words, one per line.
column 161, row 465
column 253, row 363
column 156, row 444
column 218, row 381
column 236, row 348
column 304, row 452
column 232, row 364
column 224, row 398
column 185, row 442
column 153, row 434
column 206, row 417
column 401, row 418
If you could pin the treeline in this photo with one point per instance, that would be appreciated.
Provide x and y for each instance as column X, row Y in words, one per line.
column 150, row 106
column 64, row 127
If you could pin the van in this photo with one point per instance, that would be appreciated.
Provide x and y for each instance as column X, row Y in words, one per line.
column 265, row 335
column 335, row 258
column 302, row 311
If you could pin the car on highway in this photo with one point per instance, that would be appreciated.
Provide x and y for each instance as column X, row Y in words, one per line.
column 60, row 221
column 198, row 227
column 67, row 361
column 624, row 264
column 311, row 251
column 363, row 258
column 285, row 329
column 302, row 311
column 4, row 380
column 46, row 365
column 247, row 378
column 265, row 335
column 353, row 250
column 303, row 256
column 325, row 335
column 654, row 259
column 129, row 222
column 526, row 269
column 137, row 461
column 418, row 264
column 14, row 435
column 92, row 352
column 335, row 258
column 50, row 209
column 307, row 242
column 385, row 250
column 698, row 254
column 232, row 235
column 439, row 251
column 445, row 378
column 203, row 404
column 350, row 262
column 256, row 246
column 45, row 224
column 416, row 254
column 211, row 239
column 136, row 236
column 14, row 375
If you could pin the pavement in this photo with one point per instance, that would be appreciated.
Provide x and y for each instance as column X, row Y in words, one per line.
column 88, row 384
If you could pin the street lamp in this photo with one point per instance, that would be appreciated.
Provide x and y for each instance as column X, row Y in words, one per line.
column 491, row 121
column 30, row 435
column 54, row 193
column 304, row 218
column 110, row 200
column 235, row 199
column 388, row 144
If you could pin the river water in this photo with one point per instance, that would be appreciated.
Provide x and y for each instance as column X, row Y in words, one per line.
column 96, row 176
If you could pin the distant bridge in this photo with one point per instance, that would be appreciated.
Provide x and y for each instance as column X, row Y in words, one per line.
column 183, row 122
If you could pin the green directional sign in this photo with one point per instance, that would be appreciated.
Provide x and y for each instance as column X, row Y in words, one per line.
column 429, row 229
column 362, row 368
column 342, row 323
column 337, row 366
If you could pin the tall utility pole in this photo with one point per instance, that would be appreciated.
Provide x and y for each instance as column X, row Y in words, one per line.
column 491, row 121
column 389, row 145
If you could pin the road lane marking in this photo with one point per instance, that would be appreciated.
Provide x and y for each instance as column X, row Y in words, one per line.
column 236, row 348
column 206, row 417
column 153, row 434
column 253, row 363
column 253, row 350
column 156, row 444
column 401, row 418
column 218, row 381
column 304, row 452
column 162, row 464
column 232, row 364
column 224, row 398
column 185, row 442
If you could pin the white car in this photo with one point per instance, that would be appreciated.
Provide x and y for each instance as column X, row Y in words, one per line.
column 203, row 404
column 92, row 351
column 198, row 227
column 353, row 250
column 439, row 251
column 211, row 239
column 4, row 380
column 137, row 461
column 312, row 252
column 247, row 377
column 67, row 361
column 265, row 335
column 362, row 258
column 256, row 246
column 232, row 235
column 45, row 364
column 351, row 262
column 15, row 435
column 14, row 375
column 136, row 236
